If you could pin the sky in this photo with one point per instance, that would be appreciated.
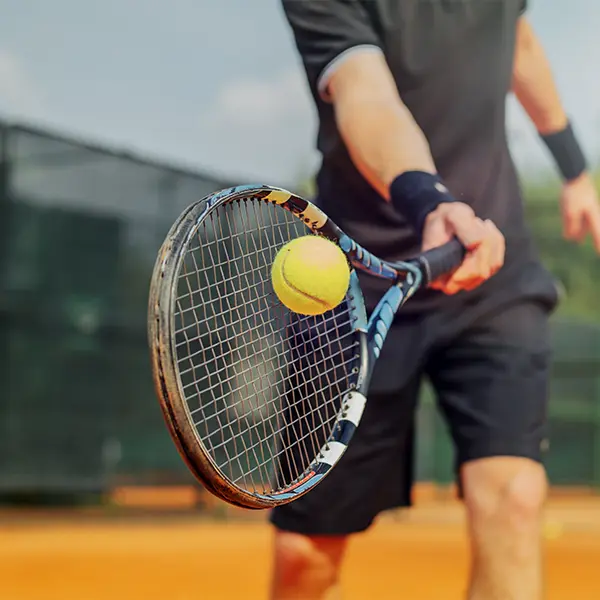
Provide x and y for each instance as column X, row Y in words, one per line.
column 216, row 85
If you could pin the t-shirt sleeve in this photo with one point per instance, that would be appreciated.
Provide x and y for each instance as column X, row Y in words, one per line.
column 327, row 32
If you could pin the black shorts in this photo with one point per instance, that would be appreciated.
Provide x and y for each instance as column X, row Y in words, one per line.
column 488, row 358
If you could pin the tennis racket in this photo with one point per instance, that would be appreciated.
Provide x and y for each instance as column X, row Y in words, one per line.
column 262, row 402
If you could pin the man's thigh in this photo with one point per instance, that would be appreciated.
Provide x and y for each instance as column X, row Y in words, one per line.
column 492, row 383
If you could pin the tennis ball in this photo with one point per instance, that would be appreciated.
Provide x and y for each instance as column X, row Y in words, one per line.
column 310, row 275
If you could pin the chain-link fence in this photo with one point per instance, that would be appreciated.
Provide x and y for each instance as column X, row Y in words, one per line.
column 79, row 230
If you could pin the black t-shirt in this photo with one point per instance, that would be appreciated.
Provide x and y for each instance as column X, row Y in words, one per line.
column 452, row 62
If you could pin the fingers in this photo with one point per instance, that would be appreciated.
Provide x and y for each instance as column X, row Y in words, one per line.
column 580, row 208
column 499, row 249
column 436, row 233
column 579, row 221
column 462, row 222
column 592, row 218
column 484, row 242
column 485, row 258
column 573, row 224
column 441, row 284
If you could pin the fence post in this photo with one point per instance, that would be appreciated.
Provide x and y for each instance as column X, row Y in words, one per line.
column 5, row 211
column 596, row 481
column 5, row 217
column 4, row 198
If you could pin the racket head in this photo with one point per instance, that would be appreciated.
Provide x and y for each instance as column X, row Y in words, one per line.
column 261, row 402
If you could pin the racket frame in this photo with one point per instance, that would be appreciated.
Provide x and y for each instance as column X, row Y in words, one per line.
column 404, row 277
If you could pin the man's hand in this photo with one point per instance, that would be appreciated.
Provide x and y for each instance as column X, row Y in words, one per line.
column 483, row 240
column 581, row 210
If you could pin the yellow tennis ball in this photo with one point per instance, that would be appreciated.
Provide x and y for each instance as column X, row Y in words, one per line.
column 310, row 275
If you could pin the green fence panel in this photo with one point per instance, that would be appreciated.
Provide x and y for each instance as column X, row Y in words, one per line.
column 83, row 226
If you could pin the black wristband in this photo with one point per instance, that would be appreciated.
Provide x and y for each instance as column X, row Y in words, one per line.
column 566, row 151
column 414, row 194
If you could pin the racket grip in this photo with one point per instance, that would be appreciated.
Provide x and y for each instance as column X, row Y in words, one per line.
column 442, row 260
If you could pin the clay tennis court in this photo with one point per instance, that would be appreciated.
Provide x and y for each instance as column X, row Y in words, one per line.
column 419, row 556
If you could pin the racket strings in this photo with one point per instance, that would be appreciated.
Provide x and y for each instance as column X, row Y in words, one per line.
column 263, row 386
column 260, row 462
column 274, row 347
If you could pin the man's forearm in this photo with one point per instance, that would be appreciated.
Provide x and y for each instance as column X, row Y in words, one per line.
column 536, row 90
column 533, row 82
column 380, row 134
column 383, row 141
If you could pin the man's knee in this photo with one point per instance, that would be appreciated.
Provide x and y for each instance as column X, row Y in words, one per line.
column 504, row 491
column 310, row 563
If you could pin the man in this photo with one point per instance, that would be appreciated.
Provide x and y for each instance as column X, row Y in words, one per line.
column 411, row 99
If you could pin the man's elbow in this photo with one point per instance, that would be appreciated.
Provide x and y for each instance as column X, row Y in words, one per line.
column 363, row 81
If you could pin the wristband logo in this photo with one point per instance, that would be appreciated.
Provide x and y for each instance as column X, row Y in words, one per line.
column 440, row 187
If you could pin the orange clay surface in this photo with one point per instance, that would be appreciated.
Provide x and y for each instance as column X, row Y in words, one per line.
column 419, row 556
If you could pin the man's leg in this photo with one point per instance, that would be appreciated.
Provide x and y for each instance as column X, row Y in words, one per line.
column 491, row 379
column 374, row 474
column 504, row 497
column 307, row 567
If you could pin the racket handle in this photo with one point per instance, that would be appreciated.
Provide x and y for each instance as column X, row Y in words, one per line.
column 442, row 260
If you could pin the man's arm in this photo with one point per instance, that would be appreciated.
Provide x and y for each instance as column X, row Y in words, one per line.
column 533, row 82
column 387, row 145
column 381, row 135
column 534, row 87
